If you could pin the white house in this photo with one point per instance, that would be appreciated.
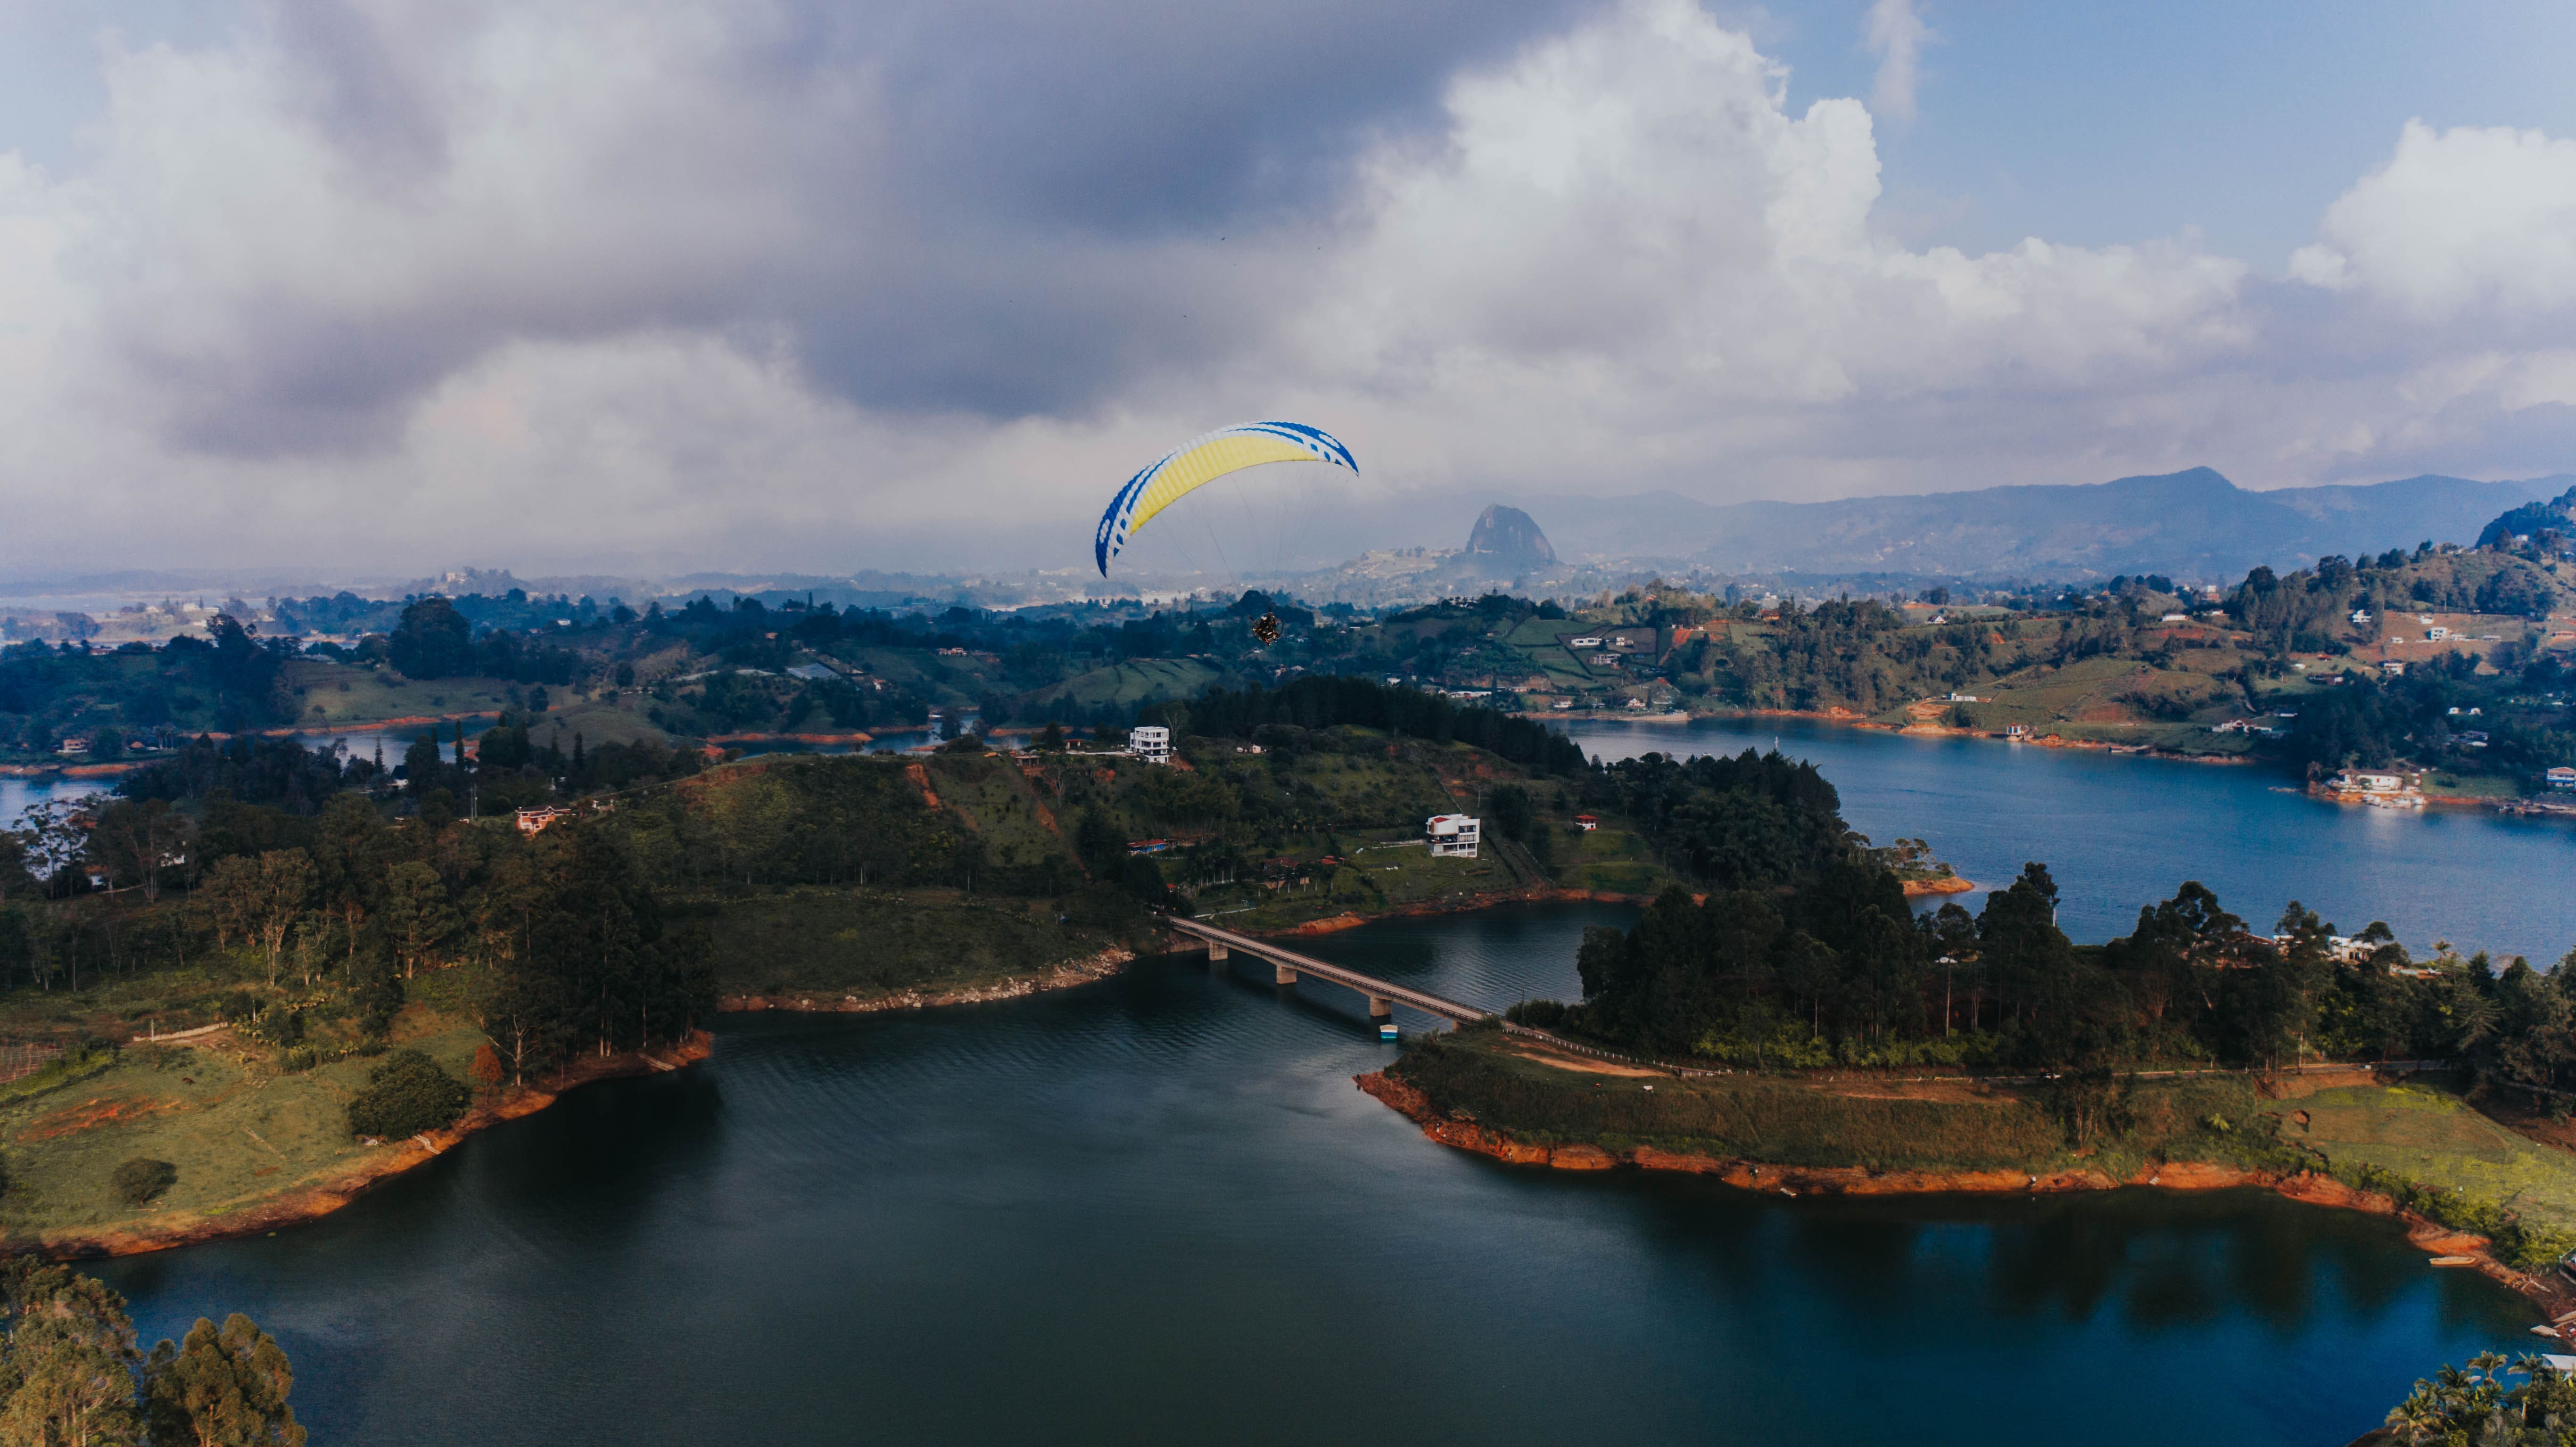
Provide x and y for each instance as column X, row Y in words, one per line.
column 2562, row 777
column 1453, row 834
column 2361, row 615
column 2437, row 634
column 2393, row 667
column 1587, row 641
column 1150, row 742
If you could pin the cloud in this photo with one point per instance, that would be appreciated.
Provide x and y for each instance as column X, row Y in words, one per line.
column 401, row 284
column 2458, row 220
column 1896, row 35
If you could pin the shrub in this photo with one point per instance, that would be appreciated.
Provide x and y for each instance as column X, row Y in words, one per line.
column 406, row 1094
column 142, row 1178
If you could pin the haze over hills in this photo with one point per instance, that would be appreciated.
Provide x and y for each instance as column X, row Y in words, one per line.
column 2194, row 525
column 2187, row 524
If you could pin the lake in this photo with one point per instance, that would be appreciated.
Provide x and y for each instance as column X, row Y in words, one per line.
column 2121, row 831
column 17, row 795
column 1156, row 1210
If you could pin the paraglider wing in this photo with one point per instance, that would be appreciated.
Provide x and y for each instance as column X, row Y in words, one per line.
column 1203, row 460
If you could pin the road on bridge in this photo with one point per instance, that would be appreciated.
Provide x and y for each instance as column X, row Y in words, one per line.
column 1291, row 964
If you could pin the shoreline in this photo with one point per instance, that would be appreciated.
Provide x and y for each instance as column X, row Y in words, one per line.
column 1064, row 975
column 317, row 1198
column 2554, row 1300
column 1847, row 718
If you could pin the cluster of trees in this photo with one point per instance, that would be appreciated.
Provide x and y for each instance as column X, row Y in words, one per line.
column 2309, row 610
column 1805, row 952
column 562, row 935
column 2423, row 715
column 435, row 640
column 1834, row 969
column 278, row 772
column 1844, row 654
column 1323, row 702
column 72, row 1371
column 228, row 680
column 2545, row 523
column 2478, row 1404
column 1746, row 821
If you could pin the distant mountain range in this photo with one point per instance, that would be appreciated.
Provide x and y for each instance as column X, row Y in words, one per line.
column 2194, row 524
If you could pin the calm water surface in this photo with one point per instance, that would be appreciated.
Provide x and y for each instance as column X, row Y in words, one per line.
column 17, row 796
column 1155, row 1210
column 2120, row 831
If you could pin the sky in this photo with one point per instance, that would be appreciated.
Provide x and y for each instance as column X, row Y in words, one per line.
column 769, row 284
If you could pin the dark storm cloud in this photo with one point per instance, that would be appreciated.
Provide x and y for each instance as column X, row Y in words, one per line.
column 969, row 208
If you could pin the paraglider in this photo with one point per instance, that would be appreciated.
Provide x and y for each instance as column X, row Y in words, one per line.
column 1203, row 460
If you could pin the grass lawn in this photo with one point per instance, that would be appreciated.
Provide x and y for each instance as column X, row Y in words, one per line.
column 1615, row 859
column 332, row 695
column 2434, row 1138
column 1128, row 684
column 237, row 1131
column 2420, row 1131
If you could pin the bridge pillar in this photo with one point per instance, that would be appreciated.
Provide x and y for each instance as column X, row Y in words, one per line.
column 1287, row 974
column 1216, row 951
column 1382, row 1015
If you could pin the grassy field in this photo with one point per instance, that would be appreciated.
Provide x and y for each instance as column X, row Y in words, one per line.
column 999, row 802
column 872, row 943
column 2419, row 1131
column 2435, row 1138
column 1614, row 859
column 1128, row 684
column 237, row 1130
column 329, row 695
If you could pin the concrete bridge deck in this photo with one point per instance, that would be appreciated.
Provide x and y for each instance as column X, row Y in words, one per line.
column 1382, row 994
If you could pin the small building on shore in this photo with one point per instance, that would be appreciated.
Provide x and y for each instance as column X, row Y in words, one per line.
column 1150, row 742
column 1453, row 835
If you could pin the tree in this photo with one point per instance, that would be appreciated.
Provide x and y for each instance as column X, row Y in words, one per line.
column 134, row 840
column 283, row 884
column 71, row 1359
column 406, row 1094
column 432, row 641
column 417, row 916
column 228, row 902
column 224, row 1388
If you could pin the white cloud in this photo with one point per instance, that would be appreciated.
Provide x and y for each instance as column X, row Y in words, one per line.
column 1896, row 35
column 1626, row 238
column 2457, row 220
column 535, row 282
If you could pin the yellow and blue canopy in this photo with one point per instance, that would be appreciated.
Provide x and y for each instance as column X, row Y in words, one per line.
column 1203, row 460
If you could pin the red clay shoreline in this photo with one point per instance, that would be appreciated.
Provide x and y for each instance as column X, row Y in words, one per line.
column 320, row 1198
column 2554, row 1299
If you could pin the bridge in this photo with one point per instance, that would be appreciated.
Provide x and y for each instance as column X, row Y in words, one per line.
column 1383, row 995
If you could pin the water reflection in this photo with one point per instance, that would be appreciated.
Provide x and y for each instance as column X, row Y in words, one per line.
column 1156, row 1210
column 2119, row 832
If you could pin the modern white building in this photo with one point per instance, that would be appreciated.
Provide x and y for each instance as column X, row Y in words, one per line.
column 1453, row 834
column 1150, row 742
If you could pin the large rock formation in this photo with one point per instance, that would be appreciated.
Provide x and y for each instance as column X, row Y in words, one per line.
column 1506, row 535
